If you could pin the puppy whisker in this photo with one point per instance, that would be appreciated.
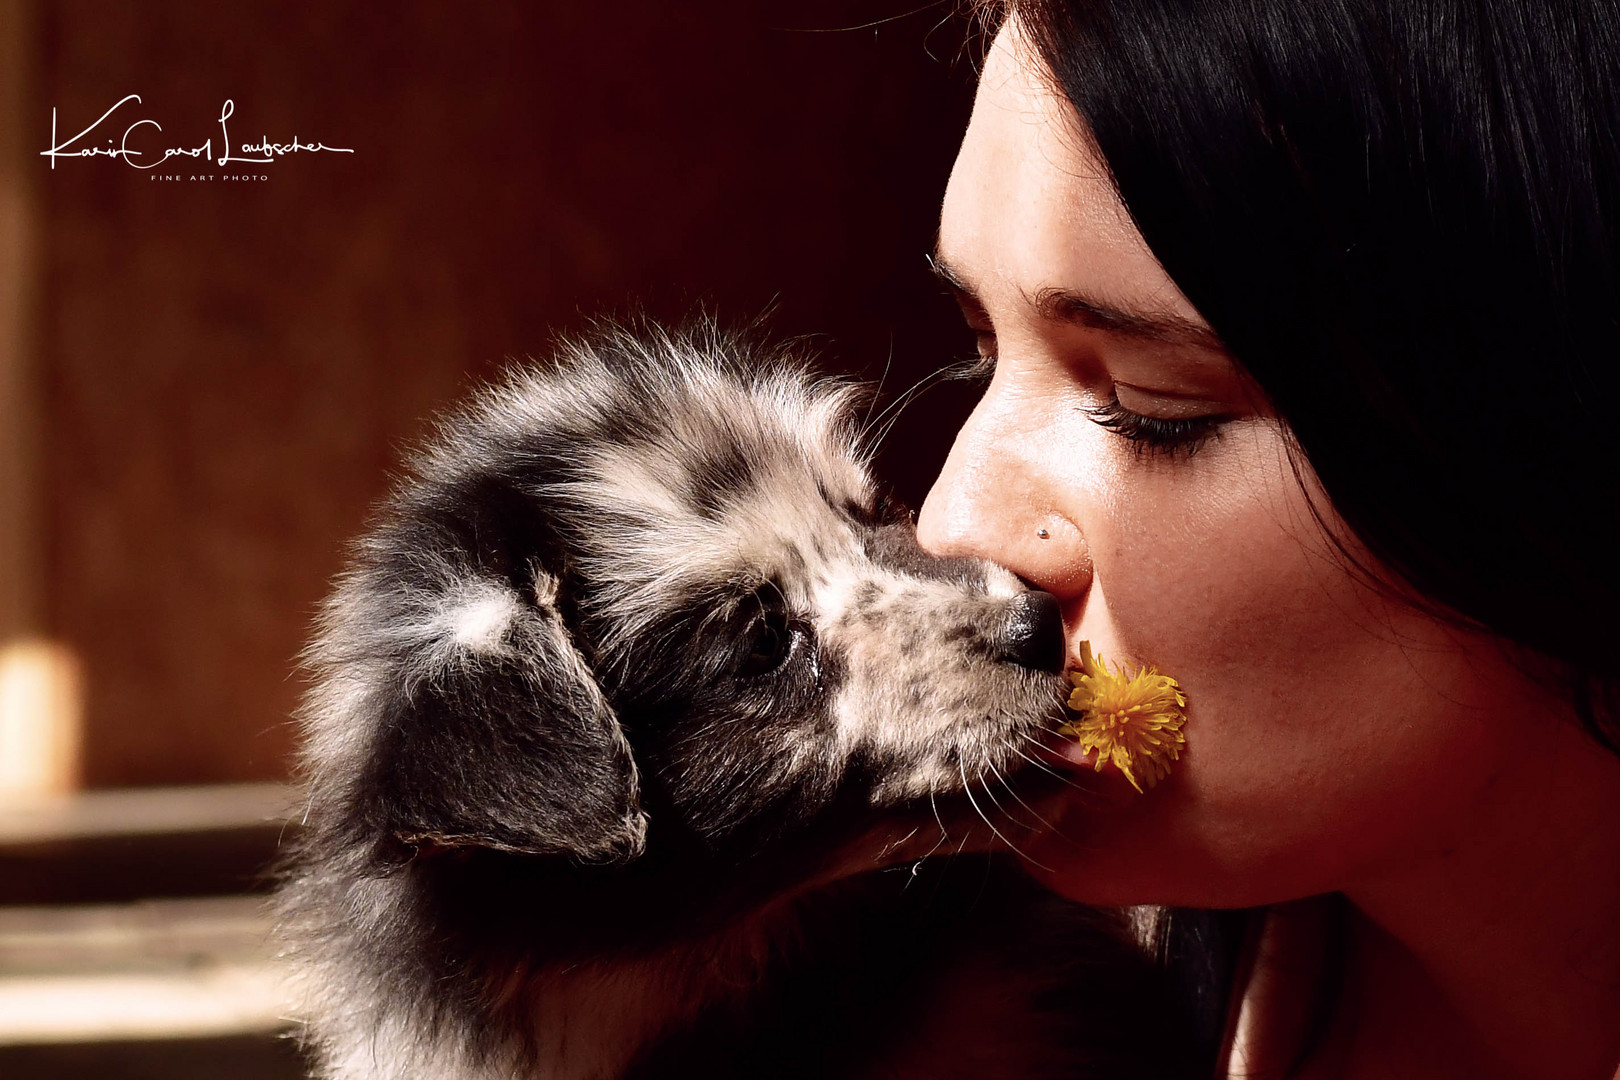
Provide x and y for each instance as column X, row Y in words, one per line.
column 1041, row 765
column 889, row 416
column 990, row 794
column 967, row 789
column 1013, row 791
column 933, row 805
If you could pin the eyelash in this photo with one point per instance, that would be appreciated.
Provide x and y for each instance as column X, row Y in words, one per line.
column 1151, row 435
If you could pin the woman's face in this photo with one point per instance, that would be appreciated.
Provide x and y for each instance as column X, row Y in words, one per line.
column 1333, row 735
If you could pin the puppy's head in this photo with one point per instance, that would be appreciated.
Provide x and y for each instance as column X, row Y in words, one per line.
column 649, row 595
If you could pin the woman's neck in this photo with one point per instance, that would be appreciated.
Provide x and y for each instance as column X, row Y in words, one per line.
column 1499, row 954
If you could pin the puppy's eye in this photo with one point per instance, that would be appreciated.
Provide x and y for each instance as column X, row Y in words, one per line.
column 770, row 645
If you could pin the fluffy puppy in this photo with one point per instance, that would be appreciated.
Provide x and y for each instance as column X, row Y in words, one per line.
column 630, row 694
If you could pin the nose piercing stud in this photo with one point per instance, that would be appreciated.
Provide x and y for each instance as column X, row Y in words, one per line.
column 1043, row 534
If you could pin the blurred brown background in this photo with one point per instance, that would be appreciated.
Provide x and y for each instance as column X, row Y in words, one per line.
column 210, row 379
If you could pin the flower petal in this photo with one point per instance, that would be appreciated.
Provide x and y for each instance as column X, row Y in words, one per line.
column 1132, row 720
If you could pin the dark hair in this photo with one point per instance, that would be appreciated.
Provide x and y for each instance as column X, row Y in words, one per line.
column 1401, row 218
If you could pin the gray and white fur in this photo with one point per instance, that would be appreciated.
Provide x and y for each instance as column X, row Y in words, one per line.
column 630, row 703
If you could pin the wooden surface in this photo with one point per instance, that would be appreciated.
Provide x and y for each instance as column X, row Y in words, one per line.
column 158, row 969
column 130, row 845
column 231, row 1057
column 145, row 812
column 137, row 955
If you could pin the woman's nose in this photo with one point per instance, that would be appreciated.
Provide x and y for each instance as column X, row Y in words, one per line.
column 995, row 500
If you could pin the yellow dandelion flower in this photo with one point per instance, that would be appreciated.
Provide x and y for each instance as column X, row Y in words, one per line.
column 1131, row 720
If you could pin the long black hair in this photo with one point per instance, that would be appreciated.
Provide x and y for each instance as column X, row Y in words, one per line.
column 1401, row 217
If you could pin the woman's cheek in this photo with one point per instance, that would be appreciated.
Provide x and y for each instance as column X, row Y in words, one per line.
column 1206, row 571
column 1330, row 730
column 1192, row 568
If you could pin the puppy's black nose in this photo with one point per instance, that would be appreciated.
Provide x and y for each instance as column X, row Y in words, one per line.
column 1032, row 632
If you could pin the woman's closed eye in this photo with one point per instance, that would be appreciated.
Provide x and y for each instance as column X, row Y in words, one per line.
column 1164, row 423
column 1167, row 435
column 1146, row 432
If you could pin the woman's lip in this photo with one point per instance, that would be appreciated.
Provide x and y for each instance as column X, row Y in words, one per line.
column 1064, row 752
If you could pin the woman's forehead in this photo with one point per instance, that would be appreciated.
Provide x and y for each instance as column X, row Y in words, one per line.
column 1030, row 206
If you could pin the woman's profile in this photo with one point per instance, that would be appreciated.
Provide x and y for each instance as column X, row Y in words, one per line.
column 1303, row 325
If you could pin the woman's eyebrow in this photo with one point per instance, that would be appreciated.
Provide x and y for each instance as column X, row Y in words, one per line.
column 953, row 280
column 1064, row 305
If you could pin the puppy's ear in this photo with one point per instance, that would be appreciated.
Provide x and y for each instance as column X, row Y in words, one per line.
column 492, row 732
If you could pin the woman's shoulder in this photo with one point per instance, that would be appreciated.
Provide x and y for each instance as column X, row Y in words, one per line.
column 1284, row 987
column 1256, row 987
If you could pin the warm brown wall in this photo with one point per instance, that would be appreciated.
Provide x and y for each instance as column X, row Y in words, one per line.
column 22, row 529
column 230, row 367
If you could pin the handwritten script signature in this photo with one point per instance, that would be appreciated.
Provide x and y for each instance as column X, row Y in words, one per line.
column 137, row 157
